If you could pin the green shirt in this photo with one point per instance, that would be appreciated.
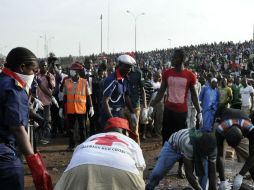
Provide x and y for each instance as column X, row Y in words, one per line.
column 236, row 94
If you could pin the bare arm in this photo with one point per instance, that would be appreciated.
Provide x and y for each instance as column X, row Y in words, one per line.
column 51, row 81
column 160, row 93
column 90, row 102
column 189, row 169
column 194, row 98
column 22, row 139
column 251, row 100
column 106, row 106
column 45, row 90
column 143, row 94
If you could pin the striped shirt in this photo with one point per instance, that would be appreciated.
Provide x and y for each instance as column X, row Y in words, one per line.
column 148, row 86
column 180, row 141
column 231, row 117
column 245, row 125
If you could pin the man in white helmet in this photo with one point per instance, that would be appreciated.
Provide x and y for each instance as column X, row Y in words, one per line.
column 115, row 95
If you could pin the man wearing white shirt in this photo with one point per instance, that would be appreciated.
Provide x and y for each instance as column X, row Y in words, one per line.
column 106, row 161
column 192, row 112
column 246, row 96
column 159, row 108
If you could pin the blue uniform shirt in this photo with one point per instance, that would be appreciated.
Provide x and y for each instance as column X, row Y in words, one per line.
column 115, row 87
column 14, row 106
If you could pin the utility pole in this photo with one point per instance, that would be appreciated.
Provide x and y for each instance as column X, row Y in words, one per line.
column 253, row 33
column 101, row 33
column 108, row 25
column 135, row 17
column 79, row 49
column 46, row 43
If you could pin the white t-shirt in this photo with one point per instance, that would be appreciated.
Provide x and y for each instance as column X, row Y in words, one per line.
column 245, row 95
column 110, row 149
column 156, row 87
column 60, row 94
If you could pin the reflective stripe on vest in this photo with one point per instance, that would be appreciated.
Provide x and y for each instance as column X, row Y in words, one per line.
column 75, row 96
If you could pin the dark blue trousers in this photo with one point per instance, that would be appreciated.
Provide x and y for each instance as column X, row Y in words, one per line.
column 11, row 169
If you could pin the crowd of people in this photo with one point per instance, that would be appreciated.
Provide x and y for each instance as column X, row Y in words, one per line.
column 193, row 98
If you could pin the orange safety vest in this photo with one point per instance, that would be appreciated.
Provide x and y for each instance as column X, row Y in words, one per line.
column 76, row 97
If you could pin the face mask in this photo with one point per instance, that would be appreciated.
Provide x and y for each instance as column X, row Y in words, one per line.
column 60, row 71
column 73, row 73
column 28, row 79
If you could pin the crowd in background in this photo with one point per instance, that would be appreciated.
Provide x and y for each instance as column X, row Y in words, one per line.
column 220, row 60
column 83, row 96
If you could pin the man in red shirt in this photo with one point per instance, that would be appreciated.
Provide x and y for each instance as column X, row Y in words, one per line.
column 176, row 81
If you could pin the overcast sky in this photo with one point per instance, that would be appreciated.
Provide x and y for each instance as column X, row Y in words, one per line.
column 70, row 22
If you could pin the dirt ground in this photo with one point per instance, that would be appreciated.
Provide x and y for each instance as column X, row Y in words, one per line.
column 56, row 160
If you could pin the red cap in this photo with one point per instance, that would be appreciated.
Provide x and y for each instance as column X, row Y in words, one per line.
column 77, row 66
column 117, row 122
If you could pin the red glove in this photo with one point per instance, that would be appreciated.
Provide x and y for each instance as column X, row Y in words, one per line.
column 41, row 177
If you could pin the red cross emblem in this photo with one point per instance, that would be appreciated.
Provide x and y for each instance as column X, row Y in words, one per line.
column 108, row 140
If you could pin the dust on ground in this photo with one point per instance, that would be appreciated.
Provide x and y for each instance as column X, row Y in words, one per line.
column 56, row 158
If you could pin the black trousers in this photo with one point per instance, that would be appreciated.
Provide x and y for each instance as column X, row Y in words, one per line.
column 72, row 118
column 56, row 121
column 172, row 122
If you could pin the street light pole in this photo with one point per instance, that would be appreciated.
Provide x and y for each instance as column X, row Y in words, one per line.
column 135, row 34
column 101, row 33
column 169, row 43
column 135, row 20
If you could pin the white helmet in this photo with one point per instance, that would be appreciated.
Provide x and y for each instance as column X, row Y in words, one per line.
column 126, row 59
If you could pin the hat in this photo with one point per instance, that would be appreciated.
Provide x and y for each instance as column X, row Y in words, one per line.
column 214, row 80
column 117, row 122
column 77, row 66
column 126, row 59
